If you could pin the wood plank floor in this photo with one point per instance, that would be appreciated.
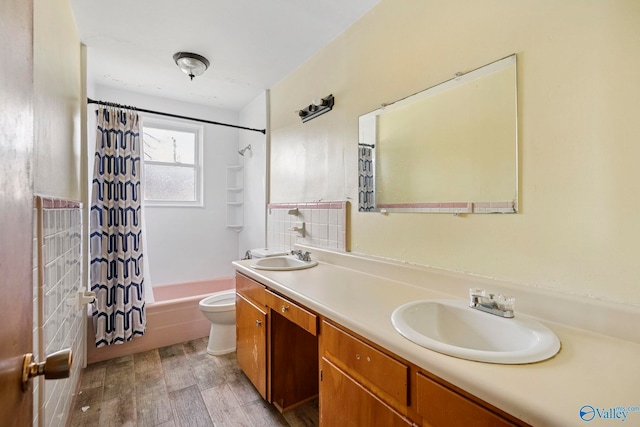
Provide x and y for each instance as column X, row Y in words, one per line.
column 179, row 385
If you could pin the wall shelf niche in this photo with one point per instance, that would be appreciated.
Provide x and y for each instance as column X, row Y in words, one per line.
column 235, row 197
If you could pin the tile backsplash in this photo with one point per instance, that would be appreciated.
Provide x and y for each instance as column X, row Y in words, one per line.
column 58, row 321
column 510, row 206
column 318, row 224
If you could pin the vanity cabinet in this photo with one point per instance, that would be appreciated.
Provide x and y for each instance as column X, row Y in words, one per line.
column 277, row 344
column 291, row 355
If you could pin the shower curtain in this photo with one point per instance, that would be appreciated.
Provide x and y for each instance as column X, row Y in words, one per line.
column 366, row 182
column 116, row 271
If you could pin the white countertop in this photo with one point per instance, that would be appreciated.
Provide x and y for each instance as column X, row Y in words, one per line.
column 591, row 368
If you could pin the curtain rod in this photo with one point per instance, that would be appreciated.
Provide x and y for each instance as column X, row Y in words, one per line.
column 142, row 110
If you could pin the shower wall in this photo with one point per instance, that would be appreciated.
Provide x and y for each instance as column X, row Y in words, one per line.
column 252, row 235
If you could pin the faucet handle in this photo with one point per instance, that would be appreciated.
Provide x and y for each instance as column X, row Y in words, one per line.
column 302, row 256
column 476, row 292
column 505, row 303
column 475, row 295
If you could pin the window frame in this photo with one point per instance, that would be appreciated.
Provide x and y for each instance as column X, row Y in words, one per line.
column 178, row 126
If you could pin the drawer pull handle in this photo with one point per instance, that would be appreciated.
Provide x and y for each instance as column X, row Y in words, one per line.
column 285, row 309
column 258, row 323
column 358, row 356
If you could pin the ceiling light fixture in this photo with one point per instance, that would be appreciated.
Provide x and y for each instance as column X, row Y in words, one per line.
column 191, row 64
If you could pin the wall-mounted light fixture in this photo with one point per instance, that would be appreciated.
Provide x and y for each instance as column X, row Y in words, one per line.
column 191, row 64
column 316, row 108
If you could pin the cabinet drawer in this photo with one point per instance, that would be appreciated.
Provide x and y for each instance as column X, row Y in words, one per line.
column 346, row 403
column 294, row 313
column 441, row 406
column 382, row 372
column 250, row 289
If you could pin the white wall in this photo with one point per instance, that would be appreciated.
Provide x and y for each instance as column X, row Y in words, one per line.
column 57, row 88
column 189, row 243
column 253, row 234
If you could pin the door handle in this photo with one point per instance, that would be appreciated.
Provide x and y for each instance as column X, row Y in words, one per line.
column 56, row 366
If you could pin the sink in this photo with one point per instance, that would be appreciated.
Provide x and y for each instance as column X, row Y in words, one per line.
column 282, row 263
column 451, row 327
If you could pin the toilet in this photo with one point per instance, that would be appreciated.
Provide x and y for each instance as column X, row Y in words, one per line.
column 220, row 309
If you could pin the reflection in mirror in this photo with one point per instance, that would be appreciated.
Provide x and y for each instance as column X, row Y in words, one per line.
column 451, row 148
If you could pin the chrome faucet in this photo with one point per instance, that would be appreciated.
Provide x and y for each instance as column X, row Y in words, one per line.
column 499, row 305
column 302, row 256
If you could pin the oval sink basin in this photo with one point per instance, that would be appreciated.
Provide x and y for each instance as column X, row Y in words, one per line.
column 451, row 327
column 282, row 263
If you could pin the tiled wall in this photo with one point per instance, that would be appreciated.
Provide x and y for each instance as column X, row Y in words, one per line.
column 452, row 207
column 58, row 321
column 36, row 324
column 325, row 225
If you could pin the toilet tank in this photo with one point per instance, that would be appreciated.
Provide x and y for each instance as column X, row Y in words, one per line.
column 266, row 252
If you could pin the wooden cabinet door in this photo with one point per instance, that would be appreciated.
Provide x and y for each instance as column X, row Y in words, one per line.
column 251, row 343
column 345, row 403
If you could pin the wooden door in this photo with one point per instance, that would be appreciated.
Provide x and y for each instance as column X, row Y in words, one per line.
column 251, row 343
column 16, row 207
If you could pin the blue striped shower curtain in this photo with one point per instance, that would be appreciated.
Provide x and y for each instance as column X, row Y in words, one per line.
column 115, row 229
column 366, row 179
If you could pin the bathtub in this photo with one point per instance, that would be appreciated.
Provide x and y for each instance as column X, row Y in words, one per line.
column 173, row 317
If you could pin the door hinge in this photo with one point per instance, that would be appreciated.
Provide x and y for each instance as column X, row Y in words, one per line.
column 320, row 374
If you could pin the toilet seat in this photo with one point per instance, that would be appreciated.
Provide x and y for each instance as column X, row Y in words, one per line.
column 219, row 301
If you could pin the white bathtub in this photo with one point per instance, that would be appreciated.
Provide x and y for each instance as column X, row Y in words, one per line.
column 173, row 318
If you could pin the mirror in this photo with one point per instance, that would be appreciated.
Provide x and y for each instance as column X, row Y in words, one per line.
column 452, row 148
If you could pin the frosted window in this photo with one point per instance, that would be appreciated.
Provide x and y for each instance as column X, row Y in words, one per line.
column 172, row 163
column 169, row 183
